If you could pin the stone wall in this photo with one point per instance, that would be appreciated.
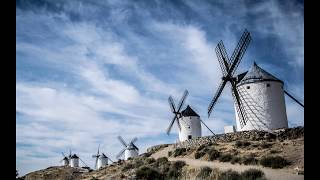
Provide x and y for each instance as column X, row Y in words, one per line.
column 280, row 134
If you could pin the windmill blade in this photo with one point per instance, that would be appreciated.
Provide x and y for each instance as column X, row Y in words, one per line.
column 207, row 127
column 135, row 147
column 83, row 162
column 63, row 154
column 182, row 100
column 171, row 104
column 238, row 104
column 239, row 51
column 134, row 140
column 96, row 163
column 120, row 153
column 223, row 58
column 286, row 92
column 122, row 141
column 171, row 123
column 98, row 150
column 216, row 96
column 110, row 159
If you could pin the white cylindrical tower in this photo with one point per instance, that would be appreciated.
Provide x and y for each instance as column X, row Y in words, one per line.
column 130, row 152
column 190, row 124
column 262, row 96
column 74, row 161
column 102, row 161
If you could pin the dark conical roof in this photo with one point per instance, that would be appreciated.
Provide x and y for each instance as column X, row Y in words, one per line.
column 74, row 156
column 189, row 112
column 256, row 73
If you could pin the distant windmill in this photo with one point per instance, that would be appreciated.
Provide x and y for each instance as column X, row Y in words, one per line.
column 258, row 95
column 130, row 149
column 65, row 160
column 188, row 120
column 101, row 159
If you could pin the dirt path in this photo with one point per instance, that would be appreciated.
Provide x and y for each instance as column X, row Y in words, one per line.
column 278, row 174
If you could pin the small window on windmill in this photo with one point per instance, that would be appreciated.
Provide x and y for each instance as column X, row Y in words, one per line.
column 248, row 87
column 268, row 85
column 189, row 137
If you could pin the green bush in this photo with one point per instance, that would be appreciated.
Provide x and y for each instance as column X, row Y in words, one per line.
column 274, row 162
column 252, row 174
column 265, row 145
column 225, row 157
column 179, row 152
column 201, row 147
column 199, row 154
column 229, row 175
column 128, row 166
column 204, row 173
column 150, row 160
column 137, row 163
column 213, row 154
column 249, row 160
column 239, row 144
column 274, row 151
column 148, row 173
column 175, row 170
column 169, row 153
column 235, row 159
column 178, row 164
column 161, row 161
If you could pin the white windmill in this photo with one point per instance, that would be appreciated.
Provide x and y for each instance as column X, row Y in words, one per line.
column 65, row 160
column 101, row 159
column 188, row 121
column 130, row 150
column 258, row 95
column 74, row 162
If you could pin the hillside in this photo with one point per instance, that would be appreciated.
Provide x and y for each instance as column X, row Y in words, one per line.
column 277, row 155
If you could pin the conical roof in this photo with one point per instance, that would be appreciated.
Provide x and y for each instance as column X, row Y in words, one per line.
column 74, row 156
column 189, row 112
column 256, row 73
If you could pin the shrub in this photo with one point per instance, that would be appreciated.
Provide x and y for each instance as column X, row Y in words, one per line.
column 235, row 159
column 252, row 174
column 274, row 151
column 169, row 153
column 161, row 161
column 229, row 175
column 242, row 144
column 148, row 173
column 204, row 173
column 198, row 155
column 179, row 152
column 225, row 158
column 93, row 178
column 265, row 145
column 201, row 147
column 213, row 154
column 137, row 163
column 150, row 160
column 274, row 162
column 147, row 154
column 249, row 160
column 128, row 166
column 175, row 170
column 178, row 165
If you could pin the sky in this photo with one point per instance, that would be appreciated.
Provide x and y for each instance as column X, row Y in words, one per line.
column 88, row 71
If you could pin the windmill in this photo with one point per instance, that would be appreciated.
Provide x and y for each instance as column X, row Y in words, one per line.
column 65, row 160
column 258, row 96
column 130, row 150
column 101, row 159
column 188, row 121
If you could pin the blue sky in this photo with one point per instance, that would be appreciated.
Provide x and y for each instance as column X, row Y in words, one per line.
column 87, row 71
